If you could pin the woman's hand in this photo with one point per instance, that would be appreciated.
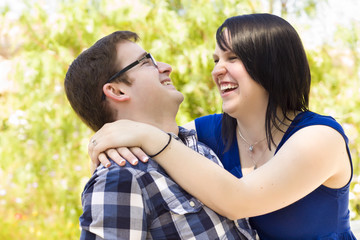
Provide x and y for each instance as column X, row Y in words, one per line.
column 119, row 155
column 122, row 141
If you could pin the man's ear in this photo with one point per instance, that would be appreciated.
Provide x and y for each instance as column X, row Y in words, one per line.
column 115, row 92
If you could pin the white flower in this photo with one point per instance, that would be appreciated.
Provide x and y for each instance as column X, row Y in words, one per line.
column 352, row 214
column 78, row 168
column 58, row 88
column 17, row 118
column 2, row 192
column 356, row 188
column 352, row 196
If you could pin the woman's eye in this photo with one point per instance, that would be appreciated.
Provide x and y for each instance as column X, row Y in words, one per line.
column 233, row 58
column 216, row 61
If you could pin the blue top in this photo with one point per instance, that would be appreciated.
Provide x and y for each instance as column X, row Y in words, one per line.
column 322, row 214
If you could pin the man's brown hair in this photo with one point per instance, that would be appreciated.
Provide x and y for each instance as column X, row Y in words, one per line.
column 88, row 73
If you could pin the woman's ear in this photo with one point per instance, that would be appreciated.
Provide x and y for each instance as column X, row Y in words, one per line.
column 115, row 92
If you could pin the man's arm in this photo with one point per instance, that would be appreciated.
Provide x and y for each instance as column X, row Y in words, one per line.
column 113, row 206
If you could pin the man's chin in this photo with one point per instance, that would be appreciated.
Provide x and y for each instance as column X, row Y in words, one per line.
column 180, row 96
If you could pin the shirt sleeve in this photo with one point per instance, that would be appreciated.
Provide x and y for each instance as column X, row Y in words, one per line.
column 113, row 206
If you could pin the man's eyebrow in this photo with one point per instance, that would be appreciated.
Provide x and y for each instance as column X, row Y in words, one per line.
column 142, row 55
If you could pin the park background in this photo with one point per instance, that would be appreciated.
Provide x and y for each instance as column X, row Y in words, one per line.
column 43, row 145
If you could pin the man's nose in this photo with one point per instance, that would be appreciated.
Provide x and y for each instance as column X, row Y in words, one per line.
column 164, row 67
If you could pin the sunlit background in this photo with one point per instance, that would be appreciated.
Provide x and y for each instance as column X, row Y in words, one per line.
column 43, row 145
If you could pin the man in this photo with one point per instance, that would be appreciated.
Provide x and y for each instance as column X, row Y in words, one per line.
column 116, row 79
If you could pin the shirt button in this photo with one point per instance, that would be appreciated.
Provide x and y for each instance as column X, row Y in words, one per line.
column 192, row 204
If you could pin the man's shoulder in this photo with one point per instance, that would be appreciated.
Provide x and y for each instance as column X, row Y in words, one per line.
column 113, row 193
column 115, row 175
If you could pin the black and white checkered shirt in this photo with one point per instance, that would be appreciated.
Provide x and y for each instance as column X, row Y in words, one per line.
column 143, row 202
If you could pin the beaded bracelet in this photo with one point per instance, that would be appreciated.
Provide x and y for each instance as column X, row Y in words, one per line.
column 170, row 137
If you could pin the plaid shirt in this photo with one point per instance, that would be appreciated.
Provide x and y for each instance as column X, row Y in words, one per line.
column 143, row 202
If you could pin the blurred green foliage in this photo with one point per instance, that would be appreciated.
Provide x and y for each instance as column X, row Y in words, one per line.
column 43, row 145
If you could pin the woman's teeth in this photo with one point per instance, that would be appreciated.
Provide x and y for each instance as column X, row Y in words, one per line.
column 225, row 87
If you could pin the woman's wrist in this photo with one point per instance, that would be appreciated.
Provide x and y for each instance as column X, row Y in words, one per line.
column 155, row 141
column 162, row 149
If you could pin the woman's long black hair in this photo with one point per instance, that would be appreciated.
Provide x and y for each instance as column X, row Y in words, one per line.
column 273, row 55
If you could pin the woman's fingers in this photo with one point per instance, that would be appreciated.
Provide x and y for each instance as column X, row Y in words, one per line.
column 120, row 141
column 104, row 160
column 131, row 155
column 118, row 155
column 140, row 154
column 115, row 156
column 127, row 155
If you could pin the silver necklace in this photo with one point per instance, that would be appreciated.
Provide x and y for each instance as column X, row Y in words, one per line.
column 251, row 146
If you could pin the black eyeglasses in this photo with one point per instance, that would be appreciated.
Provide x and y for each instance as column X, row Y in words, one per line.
column 147, row 56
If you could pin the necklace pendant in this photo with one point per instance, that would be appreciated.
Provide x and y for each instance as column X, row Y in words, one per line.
column 251, row 148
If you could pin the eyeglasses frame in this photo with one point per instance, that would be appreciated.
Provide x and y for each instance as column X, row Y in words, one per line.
column 128, row 67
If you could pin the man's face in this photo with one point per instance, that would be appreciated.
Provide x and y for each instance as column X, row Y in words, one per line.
column 151, row 89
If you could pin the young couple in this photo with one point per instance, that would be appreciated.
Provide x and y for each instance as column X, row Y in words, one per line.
column 286, row 170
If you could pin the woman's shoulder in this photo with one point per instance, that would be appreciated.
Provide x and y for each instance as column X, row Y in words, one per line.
column 313, row 117
column 309, row 118
column 315, row 121
column 208, row 129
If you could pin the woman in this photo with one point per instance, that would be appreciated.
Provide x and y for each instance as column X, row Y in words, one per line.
column 290, row 168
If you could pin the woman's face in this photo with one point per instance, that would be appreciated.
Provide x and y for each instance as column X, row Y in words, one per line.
column 239, row 92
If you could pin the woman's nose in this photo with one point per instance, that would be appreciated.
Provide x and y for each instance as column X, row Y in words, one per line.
column 219, row 69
